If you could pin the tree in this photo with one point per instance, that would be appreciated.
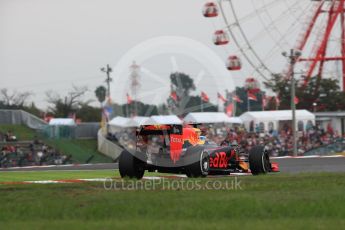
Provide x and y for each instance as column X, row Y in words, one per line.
column 241, row 92
column 282, row 87
column 18, row 100
column 142, row 109
column 88, row 113
column 319, row 94
column 163, row 109
column 196, row 104
column 14, row 98
column 182, row 84
column 33, row 110
column 70, row 103
column 101, row 93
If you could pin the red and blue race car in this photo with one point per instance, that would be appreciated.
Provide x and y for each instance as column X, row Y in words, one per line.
column 183, row 150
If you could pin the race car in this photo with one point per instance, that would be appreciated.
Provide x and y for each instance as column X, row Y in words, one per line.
column 182, row 149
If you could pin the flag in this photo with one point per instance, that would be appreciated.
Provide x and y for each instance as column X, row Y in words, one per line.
column 129, row 99
column 277, row 100
column 296, row 100
column 229, row 109
column 220, row 97
column 264, row 101
column 108, row 101
column 104, row 123
column 173, row 96
column 252, row 96
column 107, row 111
column 237, row 99
column 47, row 117
column 204, row 97
column 72, row 115
column 330, row 129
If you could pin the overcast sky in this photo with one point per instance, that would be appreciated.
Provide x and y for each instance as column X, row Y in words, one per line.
column 52, row 44
column 49, row 44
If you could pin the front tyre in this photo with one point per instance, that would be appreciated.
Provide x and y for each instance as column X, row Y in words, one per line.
column 259, row 161
column 130, row 166
column 200, row 168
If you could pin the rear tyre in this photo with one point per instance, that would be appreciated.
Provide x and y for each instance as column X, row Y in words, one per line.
column 259, row 161
column 200, row 167
column 130, row 166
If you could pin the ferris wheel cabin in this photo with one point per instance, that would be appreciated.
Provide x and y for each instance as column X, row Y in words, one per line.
column 233, row 63
column 210, row 10
column 252, row 85
column 220, row 38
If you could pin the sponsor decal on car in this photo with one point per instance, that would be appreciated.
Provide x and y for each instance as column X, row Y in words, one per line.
column 176, row 142
column 220, row 159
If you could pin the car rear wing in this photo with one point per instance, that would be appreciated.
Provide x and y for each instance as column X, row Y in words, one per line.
column 159, row 130
column 172, row 133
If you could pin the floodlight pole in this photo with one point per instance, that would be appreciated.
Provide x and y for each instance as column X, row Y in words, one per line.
column 294, row 55
column 293, row 108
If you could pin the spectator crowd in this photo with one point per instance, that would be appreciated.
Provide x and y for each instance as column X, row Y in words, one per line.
column 278, row 142
column 16, row 153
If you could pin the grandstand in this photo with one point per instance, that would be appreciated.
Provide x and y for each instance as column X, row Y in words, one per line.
column 34, row 147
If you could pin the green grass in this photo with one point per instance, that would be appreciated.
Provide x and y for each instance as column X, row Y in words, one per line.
column 22, row 132
column 55, row 175
column 81, row 150
column 303, row 201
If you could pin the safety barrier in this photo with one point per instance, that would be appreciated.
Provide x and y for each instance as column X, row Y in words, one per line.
column 107, row 147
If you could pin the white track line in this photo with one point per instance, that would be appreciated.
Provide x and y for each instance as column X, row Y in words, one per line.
column 306, row 157
column 67, row 181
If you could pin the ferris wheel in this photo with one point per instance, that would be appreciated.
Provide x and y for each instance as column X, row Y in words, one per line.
column 255, row 33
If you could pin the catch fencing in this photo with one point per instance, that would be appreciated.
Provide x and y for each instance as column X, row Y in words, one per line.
column 20, row 117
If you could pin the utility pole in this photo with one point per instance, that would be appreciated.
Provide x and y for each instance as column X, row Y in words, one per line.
column 293, row 57
column 107, row 70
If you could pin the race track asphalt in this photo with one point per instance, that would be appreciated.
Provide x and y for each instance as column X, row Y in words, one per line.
column 324, row 164
column 287, row 165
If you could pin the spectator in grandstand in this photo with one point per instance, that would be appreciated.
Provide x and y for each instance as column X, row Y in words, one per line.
column 9, row 136
column 2, row 137
column 36, row 140
column 280, row 142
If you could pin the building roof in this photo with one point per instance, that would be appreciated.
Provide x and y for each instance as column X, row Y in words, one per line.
column 210, row 117
column 277, row 115
column 138, row 120
column 62, row 122
column 167, row 120
column 330, row 114
column 125, row 122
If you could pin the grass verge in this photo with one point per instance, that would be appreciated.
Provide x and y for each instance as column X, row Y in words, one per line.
column 81, row 150
column 313, row 201
column 56, row 175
